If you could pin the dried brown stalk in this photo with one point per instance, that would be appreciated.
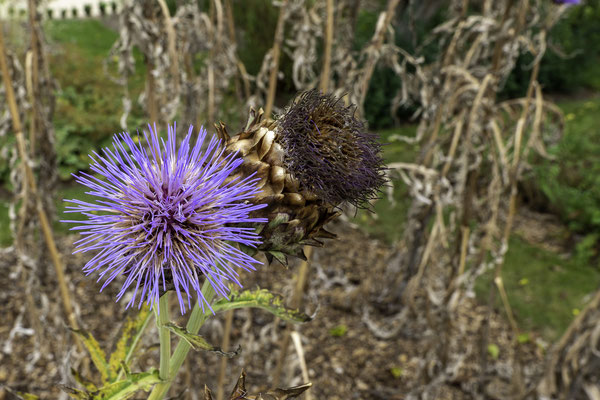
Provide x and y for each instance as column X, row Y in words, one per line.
column 224, row 345
column 43, row 219
column 473, row 152
column 324, row 86
column 295, row 302
column 374, row 49
column 276, row 51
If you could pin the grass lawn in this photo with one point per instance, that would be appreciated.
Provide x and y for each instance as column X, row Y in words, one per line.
column 545, row 290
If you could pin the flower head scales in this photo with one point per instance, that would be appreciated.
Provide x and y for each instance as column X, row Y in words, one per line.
column 166, row 215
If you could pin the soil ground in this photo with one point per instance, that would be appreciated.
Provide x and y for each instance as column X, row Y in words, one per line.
column 346, row 358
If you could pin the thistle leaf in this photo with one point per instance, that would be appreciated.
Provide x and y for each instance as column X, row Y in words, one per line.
column 86, row 383
column 96, row 353
column 120, row 390
column 132, row 332
column 264, row 299
column 74, row 393
column 239, row 392
column 198, row 342
column 20, row 395
column 28, row 396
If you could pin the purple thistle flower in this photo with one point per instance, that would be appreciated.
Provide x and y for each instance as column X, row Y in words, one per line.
column 165, row 216
column 570, row 2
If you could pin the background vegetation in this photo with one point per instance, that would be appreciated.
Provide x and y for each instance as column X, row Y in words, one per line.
column 89, row 106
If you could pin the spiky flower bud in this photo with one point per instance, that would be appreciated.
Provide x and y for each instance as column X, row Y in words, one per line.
column 165, row 216
column 311, row 159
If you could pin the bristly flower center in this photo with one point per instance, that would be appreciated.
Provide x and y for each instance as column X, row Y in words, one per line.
column 167, row 216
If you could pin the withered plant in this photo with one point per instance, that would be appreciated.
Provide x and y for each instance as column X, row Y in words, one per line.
column 463, row 186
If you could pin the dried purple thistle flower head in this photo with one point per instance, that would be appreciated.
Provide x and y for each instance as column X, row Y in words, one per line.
column 329, row 150
column 166, row 216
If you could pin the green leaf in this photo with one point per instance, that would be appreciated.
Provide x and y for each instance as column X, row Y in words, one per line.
column 396, row 372
column 86, row 383
column 73, row 393
column 96, row 353
column 28, row 396
column 494, row 350
column 198, row 342
column 261, row 298
column 132, row 332
column 523, row 338
column 126, row 388
column 21, row 395
column 120, row 390
column 338, row 331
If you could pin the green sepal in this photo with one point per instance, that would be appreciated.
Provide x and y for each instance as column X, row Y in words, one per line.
column 86, row 383
column 120, row 390
column 197, row 342
column 132, row 332
column 96, row 353
column 278, row 220
column 251, row 251
column 264, row 299
column 279, row 256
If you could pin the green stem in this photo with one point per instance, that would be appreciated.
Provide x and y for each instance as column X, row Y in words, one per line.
column 197, row 319
column 162, row 318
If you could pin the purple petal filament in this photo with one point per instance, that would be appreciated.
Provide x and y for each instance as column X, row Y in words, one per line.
column 165, row 216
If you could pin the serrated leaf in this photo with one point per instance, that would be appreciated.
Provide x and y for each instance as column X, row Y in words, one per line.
column 120, row 390
column 132, row 332
column 96, row 353
column 198, row 342
column 126, row 388
column 86, row 383
column 27, row 396
column 21, row 395
column 261, row 298
column 240, row 392
column 74, row 393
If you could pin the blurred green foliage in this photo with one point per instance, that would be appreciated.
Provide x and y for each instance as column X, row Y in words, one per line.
column 576, row 36
column 88, row 103
column 89, row 107
column 556, row 285
column 571, row 182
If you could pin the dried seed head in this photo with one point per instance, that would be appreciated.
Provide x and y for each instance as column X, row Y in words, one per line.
column 329, row 151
